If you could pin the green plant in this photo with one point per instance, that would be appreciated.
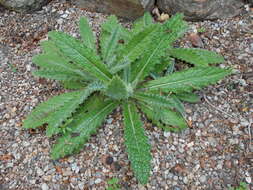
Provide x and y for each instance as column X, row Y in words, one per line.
column 12, row 67
column 201, row 30
column 242, row 186
column 118, row 73
column 113, row 184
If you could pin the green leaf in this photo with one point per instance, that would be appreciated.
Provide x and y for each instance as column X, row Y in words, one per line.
column 166, row 65
column 118, row 89
column 81, row 55
column 56, row 67
column 87, row 34
column 109, row 39
column 49, row 47
column 57, row 109
column 141, row 23
column 186, row 81
column 164, row 117
column 113, row 181
column 74, row 85
column 198, row 57
column 151, row 57
column 188, row 97
column 178, row 105
column 82, row 127
column 111, row 24
column 137, row 145
column 158, row 100
column 134, row 48
column 175, row 27
column 164, row 36
column 121, row 66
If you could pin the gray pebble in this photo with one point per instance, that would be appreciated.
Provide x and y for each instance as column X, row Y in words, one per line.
column 202, row 179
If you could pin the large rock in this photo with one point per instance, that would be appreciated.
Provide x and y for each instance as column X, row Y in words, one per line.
column 23, row 5
column 130, row 9
column 202, row 9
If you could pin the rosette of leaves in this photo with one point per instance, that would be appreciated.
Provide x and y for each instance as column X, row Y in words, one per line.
column 132, row 69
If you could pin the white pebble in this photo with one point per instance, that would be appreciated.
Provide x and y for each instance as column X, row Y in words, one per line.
column 44, row 186
column 248, row 179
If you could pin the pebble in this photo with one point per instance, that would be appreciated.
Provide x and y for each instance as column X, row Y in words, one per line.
column 64, row 16
column 44, row 186
column 60, row 21
column 26, row 143
column 110, row 120
column 251, row 47
column 248, row 179
column 97, row 181
column 166, row 134
column 176, row 188
column 40, row 172
column 185, row 180
column 202, row 179
column 67, row 173
column 75, row 168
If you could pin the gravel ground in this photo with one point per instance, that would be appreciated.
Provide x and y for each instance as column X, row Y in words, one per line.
column 214, row 153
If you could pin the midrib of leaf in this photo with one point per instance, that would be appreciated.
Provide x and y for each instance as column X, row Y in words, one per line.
column 95, row 65
column 87, row 122
column 132, row 126
column 136, row 41
column 135, row 82
column 111, row 42
column 69, row 45
column 185, row 82
column 87, row 34
column 166, row 84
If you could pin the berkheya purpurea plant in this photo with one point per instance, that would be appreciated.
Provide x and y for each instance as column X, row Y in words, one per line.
column 132, row 69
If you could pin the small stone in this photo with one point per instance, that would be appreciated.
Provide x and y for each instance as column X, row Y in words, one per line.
column 109, row 160
column 248, row 179
column 176, row 188
column 190, row 144
column 81, row 185
column 141, row 187
column 75, row 168
column 67, row 173
column 196, row 40
column 26, row 143
column 64, row 16
column 251, row 47
column 116, row 148
column 116, row 166
column 97, row 181
column 233, row 141
column 163, row 17
column 47, row 177
column 228, row 164
column 219, row 166
column 185, row 180
column 166, row 134
column 110, row 120
column 181, row 150
column 44, row 186
column 178, row 169
column 40, row 172
column 202, row 179
column 9, row 165
column 60, row 21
